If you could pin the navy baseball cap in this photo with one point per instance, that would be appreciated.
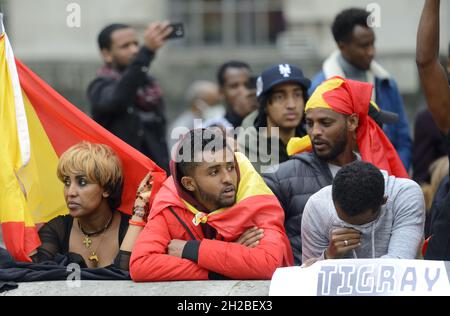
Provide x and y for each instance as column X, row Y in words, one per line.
column 280, row 74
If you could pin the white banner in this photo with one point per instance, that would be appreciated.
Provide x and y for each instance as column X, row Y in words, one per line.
column 364, row 277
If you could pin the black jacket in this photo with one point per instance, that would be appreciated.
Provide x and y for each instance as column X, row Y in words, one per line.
column 439, row 244
column 429, row 145
column 293, row 184
column 113, row 106
column 57, row 270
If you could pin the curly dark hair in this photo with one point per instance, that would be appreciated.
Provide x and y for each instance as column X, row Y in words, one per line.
column 198, row 140
column 358, row 187
column 345, row 22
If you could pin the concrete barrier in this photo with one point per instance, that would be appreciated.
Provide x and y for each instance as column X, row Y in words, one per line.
column 119, row 288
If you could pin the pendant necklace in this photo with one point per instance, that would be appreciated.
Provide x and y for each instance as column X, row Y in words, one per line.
column 87, row 241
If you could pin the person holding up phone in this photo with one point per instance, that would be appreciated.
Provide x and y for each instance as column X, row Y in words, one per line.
column 177, row 31
column 124, row 98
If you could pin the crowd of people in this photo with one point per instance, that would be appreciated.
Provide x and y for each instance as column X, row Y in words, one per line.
column 264, row 170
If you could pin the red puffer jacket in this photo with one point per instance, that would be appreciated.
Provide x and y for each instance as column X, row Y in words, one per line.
column 256, row 206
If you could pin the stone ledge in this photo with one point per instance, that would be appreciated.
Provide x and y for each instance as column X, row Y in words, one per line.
column 128, row 288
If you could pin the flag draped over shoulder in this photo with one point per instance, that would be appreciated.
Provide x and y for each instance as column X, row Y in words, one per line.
column 253, row 199
column 37, row 126
column 256, row 205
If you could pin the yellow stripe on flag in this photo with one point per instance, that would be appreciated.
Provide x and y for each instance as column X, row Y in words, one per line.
column 44, row 190
column 316, row 101
column 251, row 183
column 12, row 200
column 29, row 194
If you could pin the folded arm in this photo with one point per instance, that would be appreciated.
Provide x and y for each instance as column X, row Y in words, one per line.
column 150, row 261
column 237, row 261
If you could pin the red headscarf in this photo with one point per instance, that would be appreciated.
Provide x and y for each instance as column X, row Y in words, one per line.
column 353, row 97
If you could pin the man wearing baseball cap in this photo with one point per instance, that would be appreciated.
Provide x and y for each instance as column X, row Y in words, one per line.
column 282, row 95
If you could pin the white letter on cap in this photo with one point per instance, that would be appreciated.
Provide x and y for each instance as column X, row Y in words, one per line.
column 285, row 70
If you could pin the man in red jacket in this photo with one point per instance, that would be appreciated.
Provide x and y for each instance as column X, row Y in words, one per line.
column 215, row 218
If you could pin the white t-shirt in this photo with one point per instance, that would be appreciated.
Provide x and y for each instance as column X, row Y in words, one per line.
column 334, row 168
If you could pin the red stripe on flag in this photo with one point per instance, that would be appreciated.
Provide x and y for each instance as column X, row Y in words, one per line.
column 20, row 240
column 66, row 126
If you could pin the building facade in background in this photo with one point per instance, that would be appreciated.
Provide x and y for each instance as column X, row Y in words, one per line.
column 261, row 32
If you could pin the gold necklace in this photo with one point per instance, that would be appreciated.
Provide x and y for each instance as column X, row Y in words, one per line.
column 94, row 257
column 87, row 241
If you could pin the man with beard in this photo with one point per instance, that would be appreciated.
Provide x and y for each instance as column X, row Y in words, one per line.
column 338, row 125
column 124, row 98
column 215, row 218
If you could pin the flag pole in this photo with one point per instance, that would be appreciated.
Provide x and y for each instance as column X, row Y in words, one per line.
column 1, row 23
